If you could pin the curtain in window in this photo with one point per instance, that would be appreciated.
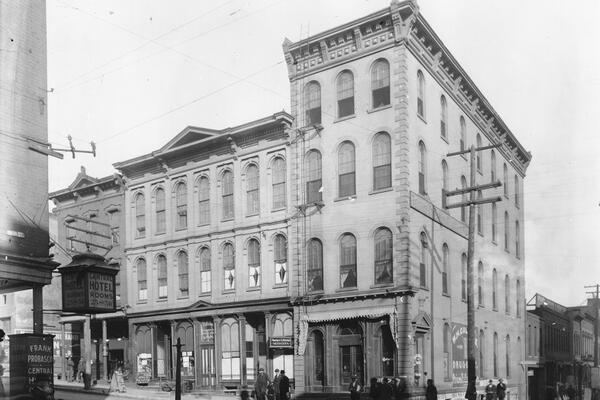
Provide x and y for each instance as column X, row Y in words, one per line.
column 254, row 271
column 380, row 83
column 348, row 276
column 229, row 266
column 383, row 256
column 280, row 258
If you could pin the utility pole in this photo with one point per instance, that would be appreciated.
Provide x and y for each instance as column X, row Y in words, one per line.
column 471, row 393
column 178, row 370
column 596, row 302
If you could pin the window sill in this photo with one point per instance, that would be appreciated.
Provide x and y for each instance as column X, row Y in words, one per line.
column 387, row 189
column 280, row 285
column 495, row 309
column 181, row 229
column 344, row 118
column 228, row 291
column 203, row 225
column 345, row 290
column 278, row 209
column 183, row 297
column 372, row 110
column 351, row 197
column 422, row 118
column 142, row 302
column 204, row 294
column 252, row 215
column 253, row 289
column 381, row 285
column 227, row 219
column 446, row 295
column 140, row 237
column 162, row 299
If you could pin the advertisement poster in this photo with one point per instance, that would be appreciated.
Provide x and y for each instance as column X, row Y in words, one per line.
column 459, row 352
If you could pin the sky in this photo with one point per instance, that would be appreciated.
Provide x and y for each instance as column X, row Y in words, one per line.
column 130, row 75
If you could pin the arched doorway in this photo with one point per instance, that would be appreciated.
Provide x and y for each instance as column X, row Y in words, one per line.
column 316, row 354
column 351, row 352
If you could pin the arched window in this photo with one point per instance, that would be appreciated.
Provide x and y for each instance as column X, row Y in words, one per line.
column 348, row 278
column 346, row 170
column 507, row 294
column 229, row 266
column 493, row 165
column 517, row 239
column 447, row 346
column 140, row 216
column 494, row 222
column 494, row 290
column 203, row 201
column 142, row 279
column 480, row 346
column 313, row 177
column 420, row 94
column 181, row 201
column 283, row 327
column 227, row 194
column 383, row 256
column 518, row 298
column 443, row 117
column 312, row 103
column 161, row 220
column 505, row 183
column 280, row 257
column 278, row 177
column 315, row 265
column 480, row 283
column 517, row 191
column 463, row 209
column 205, row 270
column 463, row 133
column 423, row 261
column 382, row 161
column 254, row 270
column 380, row 83
column 506, row 230
column 463, row 277
column 230, row 346
column 422, row 168
column 495, row 354
column 345, row 94
column 507, row 356
column 478, row 156
column 445, row 268
column 182, row 266
column 161, row 267
column 252, row 194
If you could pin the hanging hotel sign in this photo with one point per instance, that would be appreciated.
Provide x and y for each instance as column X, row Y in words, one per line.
column 281, row 342
column 88, row 285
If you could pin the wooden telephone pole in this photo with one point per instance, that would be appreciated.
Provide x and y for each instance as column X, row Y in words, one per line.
column 471, row 393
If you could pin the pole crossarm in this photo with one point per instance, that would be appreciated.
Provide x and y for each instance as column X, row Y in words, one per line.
column 461, row 152
column 476, row 187
column 89, row 243
column 89, row 232
column 474, row 202
column 87, row 220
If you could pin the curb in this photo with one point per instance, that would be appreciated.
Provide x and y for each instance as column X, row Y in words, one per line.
column 144, row 395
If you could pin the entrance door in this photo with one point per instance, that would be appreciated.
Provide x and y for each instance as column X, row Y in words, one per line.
column 207, row 366
column 351, row 361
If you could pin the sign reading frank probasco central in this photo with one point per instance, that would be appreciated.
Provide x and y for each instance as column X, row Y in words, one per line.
column 31, row 361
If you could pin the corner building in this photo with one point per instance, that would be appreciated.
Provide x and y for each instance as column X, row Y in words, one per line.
column 380, row 288
column 206, row 253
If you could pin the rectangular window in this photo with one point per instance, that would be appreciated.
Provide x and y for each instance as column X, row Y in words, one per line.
column 142, row 289
column 205, row 281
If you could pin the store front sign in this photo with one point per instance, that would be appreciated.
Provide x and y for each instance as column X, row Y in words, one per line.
column 31, row 361
column 281, row 342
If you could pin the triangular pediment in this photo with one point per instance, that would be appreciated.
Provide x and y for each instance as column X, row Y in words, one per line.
column 199, row 305
column 422, row 321
column 189, row 135
column 82, row 180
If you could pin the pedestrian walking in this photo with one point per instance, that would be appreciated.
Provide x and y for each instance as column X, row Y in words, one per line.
column 374, row 389
column 400, row 389
column 355, row 388
column 284, row 386
column 385, row 390
column 501, row 389
column 431, row 391
column 490, row 390
column 261, row 384
column 80, row 369
column 69, row 376
column 276, row 380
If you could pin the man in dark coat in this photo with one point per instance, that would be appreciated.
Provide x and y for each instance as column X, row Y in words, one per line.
column 276, row 380
column 490, row 391
column 431, row 391
column 284, row 386
column 354, row 388
column 262, row 382
column 501, row 389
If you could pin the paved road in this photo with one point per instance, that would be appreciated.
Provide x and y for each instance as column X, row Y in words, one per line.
column 69, row 395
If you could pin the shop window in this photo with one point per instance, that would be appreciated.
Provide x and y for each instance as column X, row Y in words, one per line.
column 388, row 351
column 230, row 347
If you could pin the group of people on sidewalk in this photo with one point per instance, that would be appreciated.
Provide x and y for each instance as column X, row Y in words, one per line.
column 493, row 392
column 277, row 389
column 73, row 373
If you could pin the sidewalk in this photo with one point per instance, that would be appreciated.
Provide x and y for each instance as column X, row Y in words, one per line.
column 138, row 392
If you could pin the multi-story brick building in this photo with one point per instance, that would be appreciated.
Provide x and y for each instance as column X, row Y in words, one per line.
column 381, row 282
column 90, row 218
column 206, row 250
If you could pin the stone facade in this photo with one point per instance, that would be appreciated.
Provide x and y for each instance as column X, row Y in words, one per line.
column 387, row 78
